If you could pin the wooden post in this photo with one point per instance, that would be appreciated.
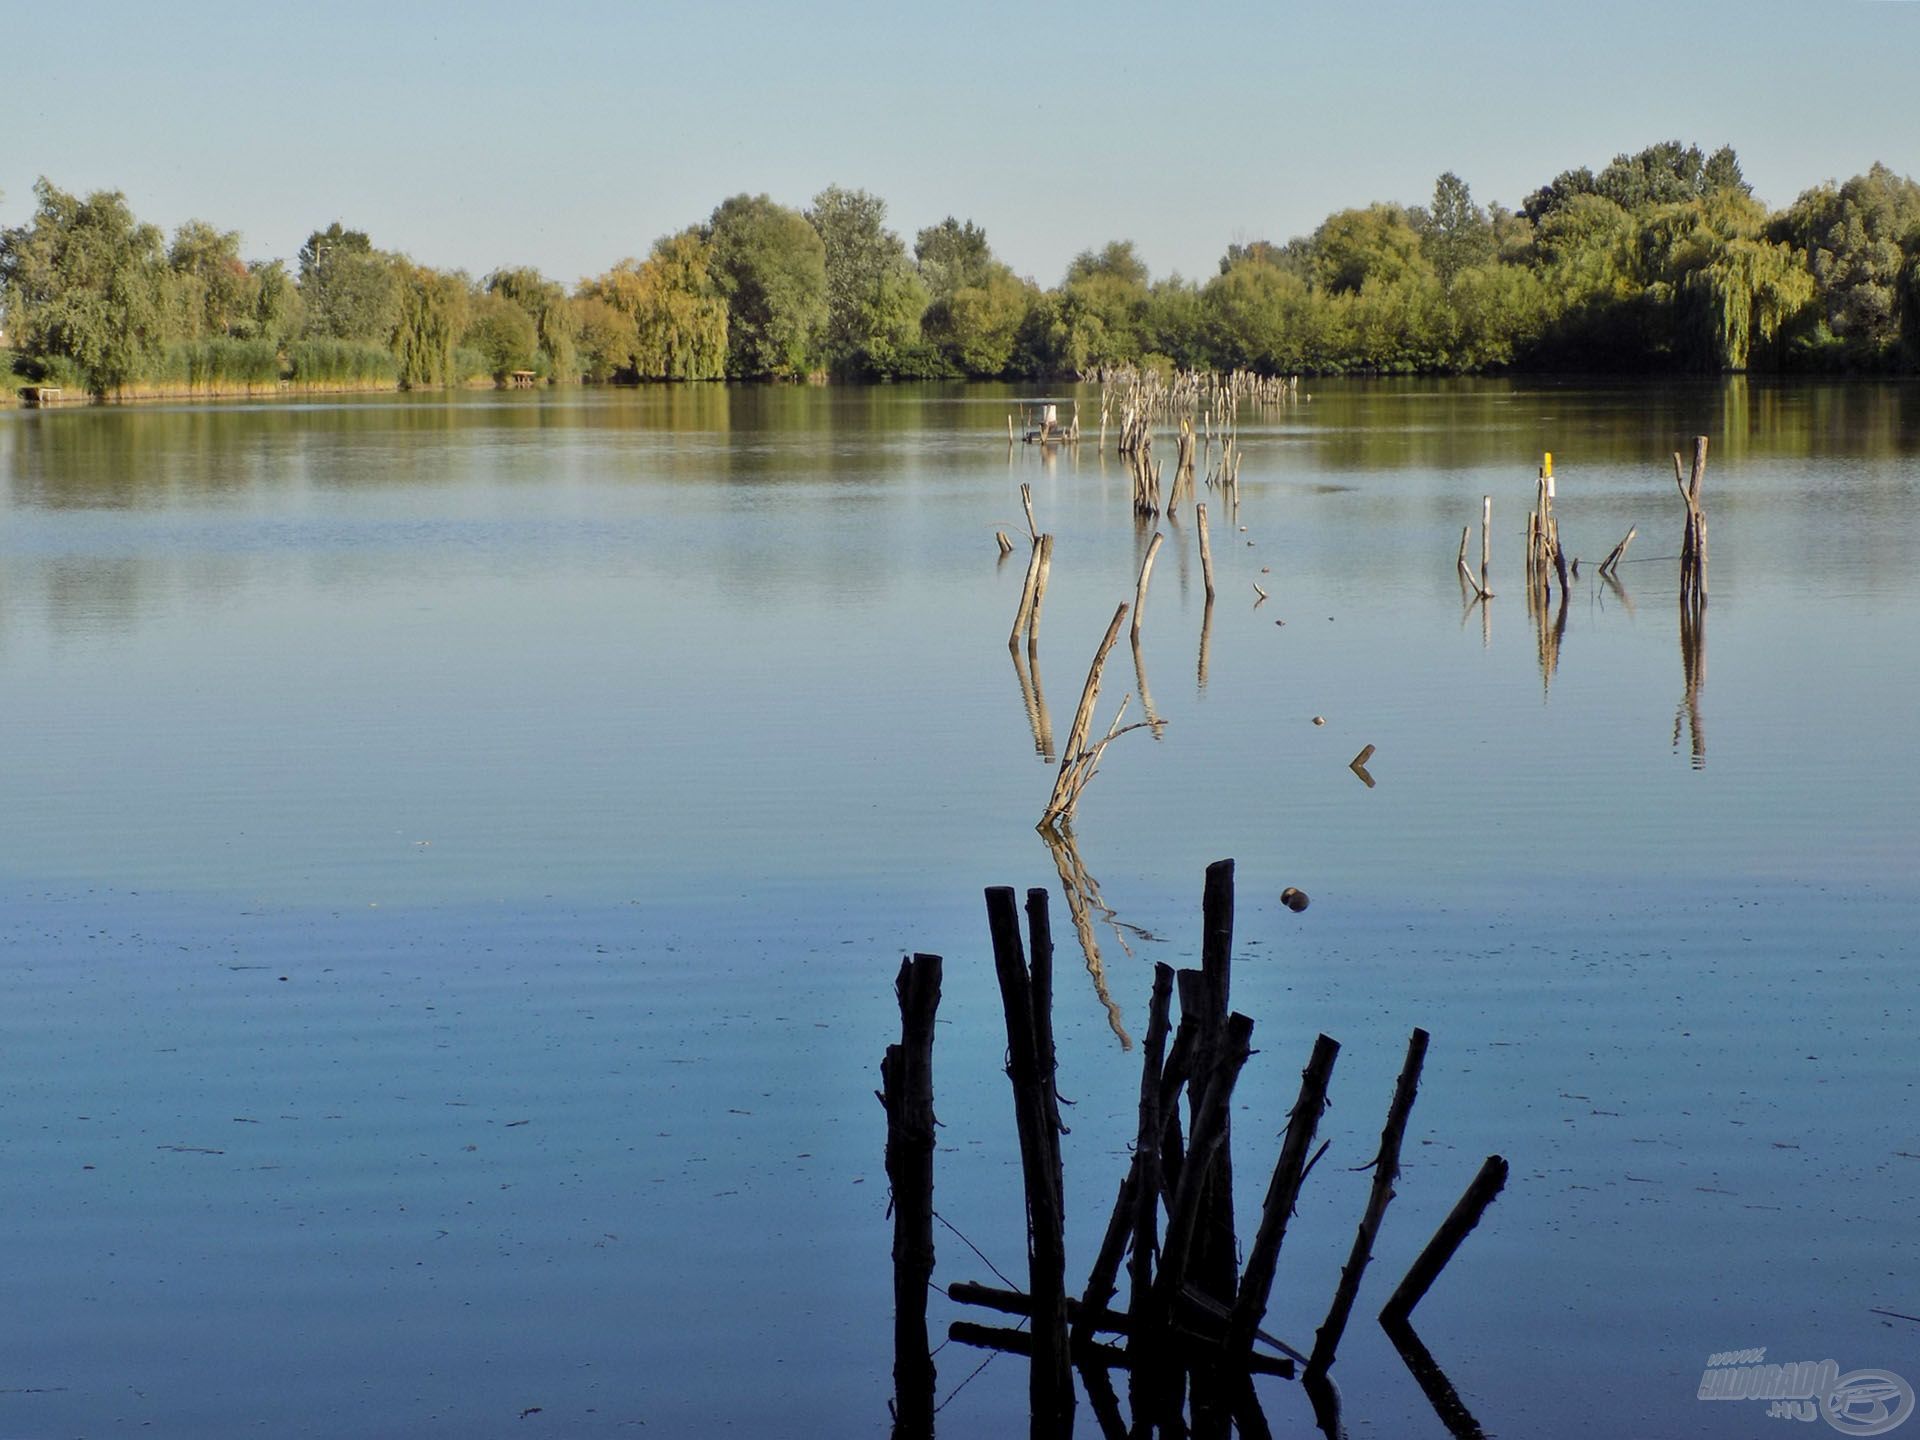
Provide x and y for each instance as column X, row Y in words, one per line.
column 1454, row 1229
column 906, row 1077
column 1202, row 1149
column 1206, row 552
column 1139, row 1198
column 1693, row 544
column 1386, row 1169
column 1282, row 1193
column 1486, row 524
column 1146, row 576
column 1618, row 553
column 1216, row 1262
column 1050, row 1388
column 1060, row 803
column 1045, row 547
column 1146, row 1195
column 1023, row 615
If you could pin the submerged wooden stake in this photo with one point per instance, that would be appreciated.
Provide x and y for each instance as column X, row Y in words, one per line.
column 1146, row 576
column 1486, row 524
column 1208, row 1132
column 1619, row 552
column 1044, row 545
column 1023, row 616
column 1693, row 541
column 1059, row 804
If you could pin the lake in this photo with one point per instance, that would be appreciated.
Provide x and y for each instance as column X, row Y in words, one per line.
column 458, row 849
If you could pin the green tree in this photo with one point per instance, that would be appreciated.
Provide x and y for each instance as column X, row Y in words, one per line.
column 1857, row 240
column 676, row 307
column 545, row 303
column 432, row 316
column 608, row 338
column 1662, row 174
column 84, row 280
column 209, row 285
column 504, row 333
column 275, row 306
column 874, row 298
column 1102, row 310
column 976, row 327
column 1263, row 316
column 771, row 267
column 350, row 290
column 951, row 257
column 1378, row 244
column 1455, row 233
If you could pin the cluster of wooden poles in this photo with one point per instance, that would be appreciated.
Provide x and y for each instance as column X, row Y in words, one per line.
column 1203, row 407
column 1548, row 565
column 1191, row 1336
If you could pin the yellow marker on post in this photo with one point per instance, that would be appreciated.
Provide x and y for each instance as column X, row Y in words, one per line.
column 1546, row 466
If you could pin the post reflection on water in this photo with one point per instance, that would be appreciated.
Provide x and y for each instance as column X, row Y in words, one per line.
column 1693, row 665
column 1084, row 903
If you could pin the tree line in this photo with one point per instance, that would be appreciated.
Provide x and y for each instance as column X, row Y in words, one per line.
column 1662, row 261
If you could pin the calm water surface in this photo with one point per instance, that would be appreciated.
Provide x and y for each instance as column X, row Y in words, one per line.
column 456, row 853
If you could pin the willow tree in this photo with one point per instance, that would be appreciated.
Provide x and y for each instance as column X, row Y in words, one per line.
column 84, row 280
column 1725, row 286
column 608, row 337
column 555, row 322
column 432, row 316
column 504, row 333
column 209, row 288
column 674, row 306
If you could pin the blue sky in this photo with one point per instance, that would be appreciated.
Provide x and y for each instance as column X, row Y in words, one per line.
column 568, row 135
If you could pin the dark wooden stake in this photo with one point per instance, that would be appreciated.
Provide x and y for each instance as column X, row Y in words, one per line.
column 1693, row 541
column 1050, row 1389
column 1202, row 1149
column 906, row 1077
column 1216, row 1254
column 1146, row 1195
column 1454, row 1229
column 1386, row 1169
column 1282, row 1191
column 1135, row 1206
